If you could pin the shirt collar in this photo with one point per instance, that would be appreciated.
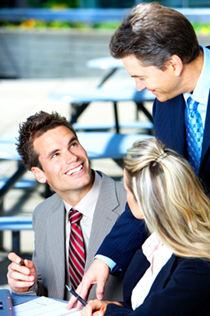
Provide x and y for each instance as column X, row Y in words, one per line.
column 151, row 245
column 201, row 92
column 85, row 206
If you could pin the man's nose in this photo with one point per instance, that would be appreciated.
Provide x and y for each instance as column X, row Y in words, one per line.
column 139, row 85
column 70, row 157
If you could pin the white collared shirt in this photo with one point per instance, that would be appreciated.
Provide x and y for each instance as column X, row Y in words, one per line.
column 87, row 207
column 158, row 255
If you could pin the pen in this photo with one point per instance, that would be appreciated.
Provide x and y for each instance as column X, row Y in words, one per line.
column 76, row 295
column 21, row 263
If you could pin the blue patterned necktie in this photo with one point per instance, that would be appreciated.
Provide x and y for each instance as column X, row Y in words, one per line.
column 194, row 132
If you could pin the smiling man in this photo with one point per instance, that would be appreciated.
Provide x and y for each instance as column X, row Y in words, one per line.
column 160, row 50
column 49, row 147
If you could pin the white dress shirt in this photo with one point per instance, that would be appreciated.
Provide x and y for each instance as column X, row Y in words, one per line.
column 158, row 255
column 86, row 207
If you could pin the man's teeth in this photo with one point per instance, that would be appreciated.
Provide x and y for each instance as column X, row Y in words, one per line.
column 75, row 170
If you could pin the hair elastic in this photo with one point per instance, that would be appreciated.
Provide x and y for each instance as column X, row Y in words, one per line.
column 161, row 157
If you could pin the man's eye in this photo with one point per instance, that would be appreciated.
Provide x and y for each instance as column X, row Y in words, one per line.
column 54, row 155
column 73, row 144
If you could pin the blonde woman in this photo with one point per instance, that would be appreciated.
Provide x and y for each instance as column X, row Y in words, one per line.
column 170, row 274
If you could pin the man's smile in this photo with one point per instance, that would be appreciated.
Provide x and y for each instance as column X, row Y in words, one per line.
column 75, row 170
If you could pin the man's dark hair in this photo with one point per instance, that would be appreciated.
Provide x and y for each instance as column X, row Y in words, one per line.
column 153, row 33
column 35, row 126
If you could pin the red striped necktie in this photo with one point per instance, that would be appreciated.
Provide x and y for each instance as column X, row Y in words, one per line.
column 76, row 250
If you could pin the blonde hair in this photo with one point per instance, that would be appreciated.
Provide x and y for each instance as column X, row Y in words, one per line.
column 170, row 196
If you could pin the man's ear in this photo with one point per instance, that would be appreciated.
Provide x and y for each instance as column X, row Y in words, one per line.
column 176, row 65
column 39, row 174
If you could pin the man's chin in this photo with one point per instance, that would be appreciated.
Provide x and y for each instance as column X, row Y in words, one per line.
column 162, row 98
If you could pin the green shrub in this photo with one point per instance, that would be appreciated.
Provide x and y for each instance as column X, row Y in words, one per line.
column 200, row 28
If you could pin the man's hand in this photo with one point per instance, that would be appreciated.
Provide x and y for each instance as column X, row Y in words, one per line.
column 20, row 277
column 98, row 274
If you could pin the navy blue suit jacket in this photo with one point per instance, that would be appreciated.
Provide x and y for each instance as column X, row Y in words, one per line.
column 182, row 288
column 126, row 236
column 169, row 120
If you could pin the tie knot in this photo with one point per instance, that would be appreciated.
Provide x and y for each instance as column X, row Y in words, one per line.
column 74, row 216
column 192, row 104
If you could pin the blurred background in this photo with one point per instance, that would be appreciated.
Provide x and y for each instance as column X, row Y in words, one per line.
column 99, row 3
column 56, row 38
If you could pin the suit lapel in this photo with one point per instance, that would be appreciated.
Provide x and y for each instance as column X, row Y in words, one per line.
column 206, row 138
column 137, row 268
column 178, row 124
column 104, row 217
column 164, row 275
column 57, row 245
column 169, row 120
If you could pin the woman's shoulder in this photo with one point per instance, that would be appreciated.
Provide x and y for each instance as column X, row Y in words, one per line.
column 193, row 270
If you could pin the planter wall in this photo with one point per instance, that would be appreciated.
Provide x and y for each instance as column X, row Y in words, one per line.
column 53, row 54
column 50, row 54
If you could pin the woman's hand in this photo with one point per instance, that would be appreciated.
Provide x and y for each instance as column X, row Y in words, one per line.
column 96, row 308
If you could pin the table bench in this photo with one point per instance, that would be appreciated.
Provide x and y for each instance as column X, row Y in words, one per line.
column 97, row 144
column 15, row 224
column 106, row 126
column 8, row 152
column 107, row 63
column 100, row 145
column 79, row 99
column 23, row 184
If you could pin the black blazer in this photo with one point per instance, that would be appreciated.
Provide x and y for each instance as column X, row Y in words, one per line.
column 181, row 288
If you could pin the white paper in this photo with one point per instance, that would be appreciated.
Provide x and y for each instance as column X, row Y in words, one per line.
column 44, row 306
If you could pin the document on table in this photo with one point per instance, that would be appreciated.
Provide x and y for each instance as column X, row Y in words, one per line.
column 44, row 306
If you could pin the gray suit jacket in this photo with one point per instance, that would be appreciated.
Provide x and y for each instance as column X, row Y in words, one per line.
column 50, row 255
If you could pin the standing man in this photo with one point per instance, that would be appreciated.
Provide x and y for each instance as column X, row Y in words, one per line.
column 160, row 50
column 70, row 225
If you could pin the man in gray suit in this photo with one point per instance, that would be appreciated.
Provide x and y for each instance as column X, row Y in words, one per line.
column 49, row 147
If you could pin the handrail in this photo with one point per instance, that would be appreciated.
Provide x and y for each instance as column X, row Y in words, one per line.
column 68, row 15
column 89, row 15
